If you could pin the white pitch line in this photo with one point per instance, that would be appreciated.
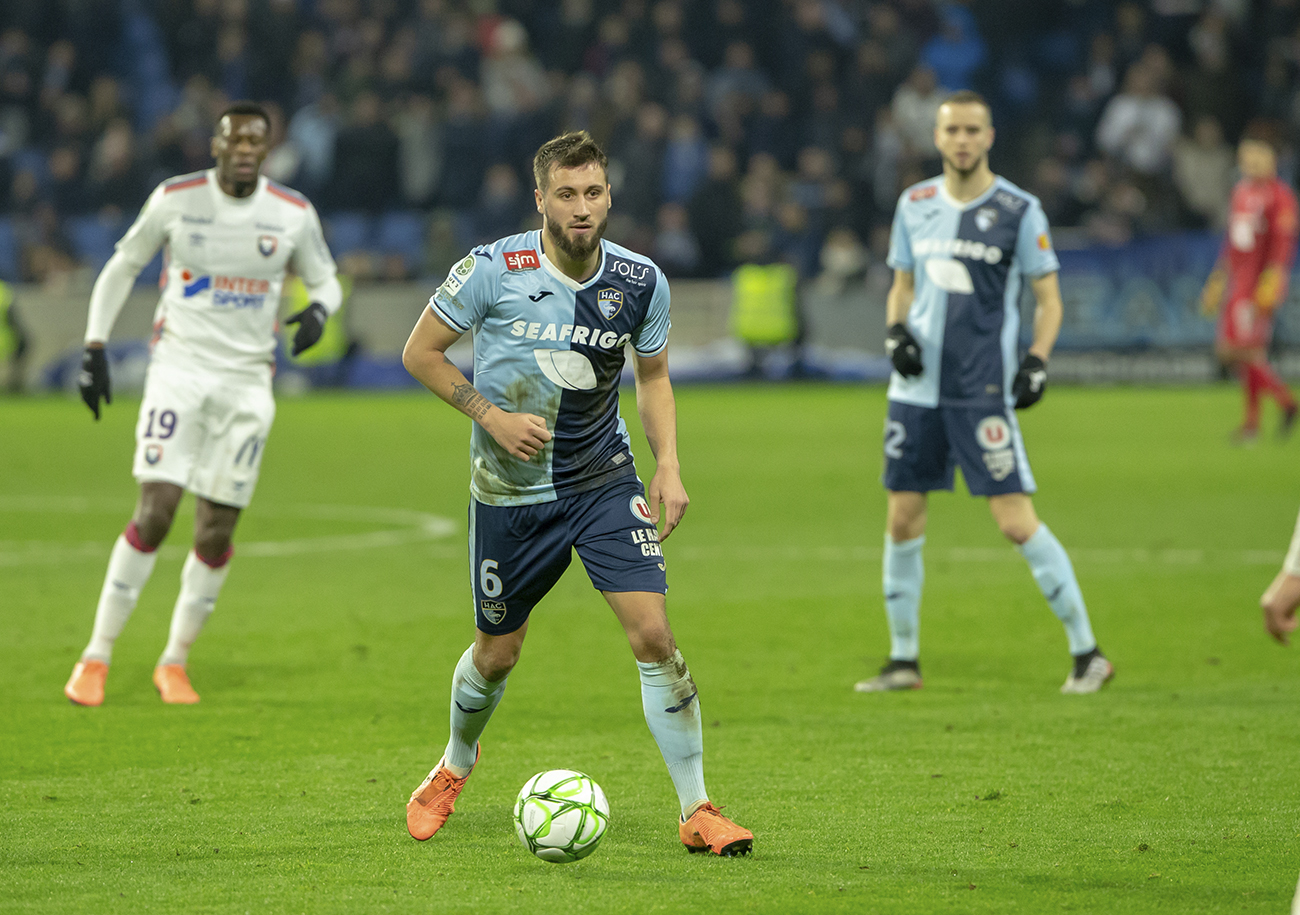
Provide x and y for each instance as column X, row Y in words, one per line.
column 1098, row 556
column 412, row 527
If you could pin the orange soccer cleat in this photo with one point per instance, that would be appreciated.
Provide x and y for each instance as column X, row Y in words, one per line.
column 86, row 685
column 708, row 830
column 435, row 800
column 174, row 684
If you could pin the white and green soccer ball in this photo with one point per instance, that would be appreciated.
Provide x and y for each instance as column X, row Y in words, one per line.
column 560, row 815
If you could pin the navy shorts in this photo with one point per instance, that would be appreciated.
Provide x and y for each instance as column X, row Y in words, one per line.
column 519, row 552
column 924, row 444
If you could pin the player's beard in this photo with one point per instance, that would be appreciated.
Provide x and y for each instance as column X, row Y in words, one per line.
column 576, row 249
column 965, row 173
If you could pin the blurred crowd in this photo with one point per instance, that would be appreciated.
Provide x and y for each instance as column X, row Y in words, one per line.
column 738, row 131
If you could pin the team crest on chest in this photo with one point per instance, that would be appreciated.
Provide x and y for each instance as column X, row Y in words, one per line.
column 266, row 244
column 986, row 218
column 609, row 301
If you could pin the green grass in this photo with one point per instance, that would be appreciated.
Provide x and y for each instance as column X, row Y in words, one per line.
column 325, row 673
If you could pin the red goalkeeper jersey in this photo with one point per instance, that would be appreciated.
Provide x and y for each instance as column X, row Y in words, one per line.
column 1262, row 229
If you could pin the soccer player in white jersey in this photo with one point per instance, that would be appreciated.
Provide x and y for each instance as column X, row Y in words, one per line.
column 961, row 246
column 552, row 468
column 229, row 234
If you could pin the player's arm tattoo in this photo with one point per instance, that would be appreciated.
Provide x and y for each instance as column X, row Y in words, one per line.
column 470, row 401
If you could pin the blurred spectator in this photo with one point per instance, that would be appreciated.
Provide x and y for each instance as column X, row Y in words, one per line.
column 419, row 137
column 1203, row 173
column 675, row 248
column 686, row 159
column 501, row 208
column 843, row 261
column 715, row 211
column 738, row 81
column 914, row 107
column 314, row 131
column 958, row 51
column 639, row 165
column 365, row 173
column 1140, row 125
column 116, row 183
column 464, row 137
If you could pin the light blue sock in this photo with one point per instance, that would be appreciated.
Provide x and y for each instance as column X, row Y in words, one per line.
column 473, row 700
column 672, row 710
column 904, row 573
column 1055, row 576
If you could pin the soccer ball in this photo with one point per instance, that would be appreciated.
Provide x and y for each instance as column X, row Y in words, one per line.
column 560, row 815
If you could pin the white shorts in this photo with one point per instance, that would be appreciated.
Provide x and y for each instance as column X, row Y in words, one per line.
column 203, row 431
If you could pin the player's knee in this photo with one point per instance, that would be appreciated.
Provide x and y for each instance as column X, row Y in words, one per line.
column 1017, row 530
column 495, row 660
column 152, row 522
column 212, row 542
column 652, row 642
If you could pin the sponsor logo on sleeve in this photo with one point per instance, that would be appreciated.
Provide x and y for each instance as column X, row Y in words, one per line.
column 1010, row 201
column 609, row 301
column 522, row 260
column 1044, row 243
column 923, row 193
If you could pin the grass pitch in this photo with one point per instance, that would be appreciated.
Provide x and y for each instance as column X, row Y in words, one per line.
column 325, row 670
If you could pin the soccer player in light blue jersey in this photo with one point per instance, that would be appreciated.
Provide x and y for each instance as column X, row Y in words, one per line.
column 552, row 471
column 962, row 245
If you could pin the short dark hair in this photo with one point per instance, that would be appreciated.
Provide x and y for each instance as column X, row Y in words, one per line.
column 246, row 108
column 1265, row 131
column 569, row 150
column 967, row 97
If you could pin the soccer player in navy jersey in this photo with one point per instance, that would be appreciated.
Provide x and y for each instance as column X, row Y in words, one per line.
column 961, row 246
column 552, row 471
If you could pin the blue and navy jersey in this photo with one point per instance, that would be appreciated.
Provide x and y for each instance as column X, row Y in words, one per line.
column 969, row 261
column 549, row 345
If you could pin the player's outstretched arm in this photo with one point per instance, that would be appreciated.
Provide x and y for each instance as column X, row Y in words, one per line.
column 658, row 411
column 425, row 357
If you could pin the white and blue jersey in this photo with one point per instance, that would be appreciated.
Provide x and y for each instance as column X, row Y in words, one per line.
column 549, row 345
column 969, row 261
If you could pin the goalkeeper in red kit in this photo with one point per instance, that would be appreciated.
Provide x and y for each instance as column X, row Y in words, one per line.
column 1253, row 268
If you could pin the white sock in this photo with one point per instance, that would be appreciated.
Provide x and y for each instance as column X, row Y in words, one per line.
column 473, row 700
column 200, row 588
column 672, row 710
column 128, row 572
column 904, row 574
column 1055, row 576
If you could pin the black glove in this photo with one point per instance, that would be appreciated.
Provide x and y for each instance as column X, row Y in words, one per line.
column 93, row 380
column 311, row 322
column 1030, row 383
column 903, row 350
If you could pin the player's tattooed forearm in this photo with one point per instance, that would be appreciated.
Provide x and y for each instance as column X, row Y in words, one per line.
column 469, row 400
